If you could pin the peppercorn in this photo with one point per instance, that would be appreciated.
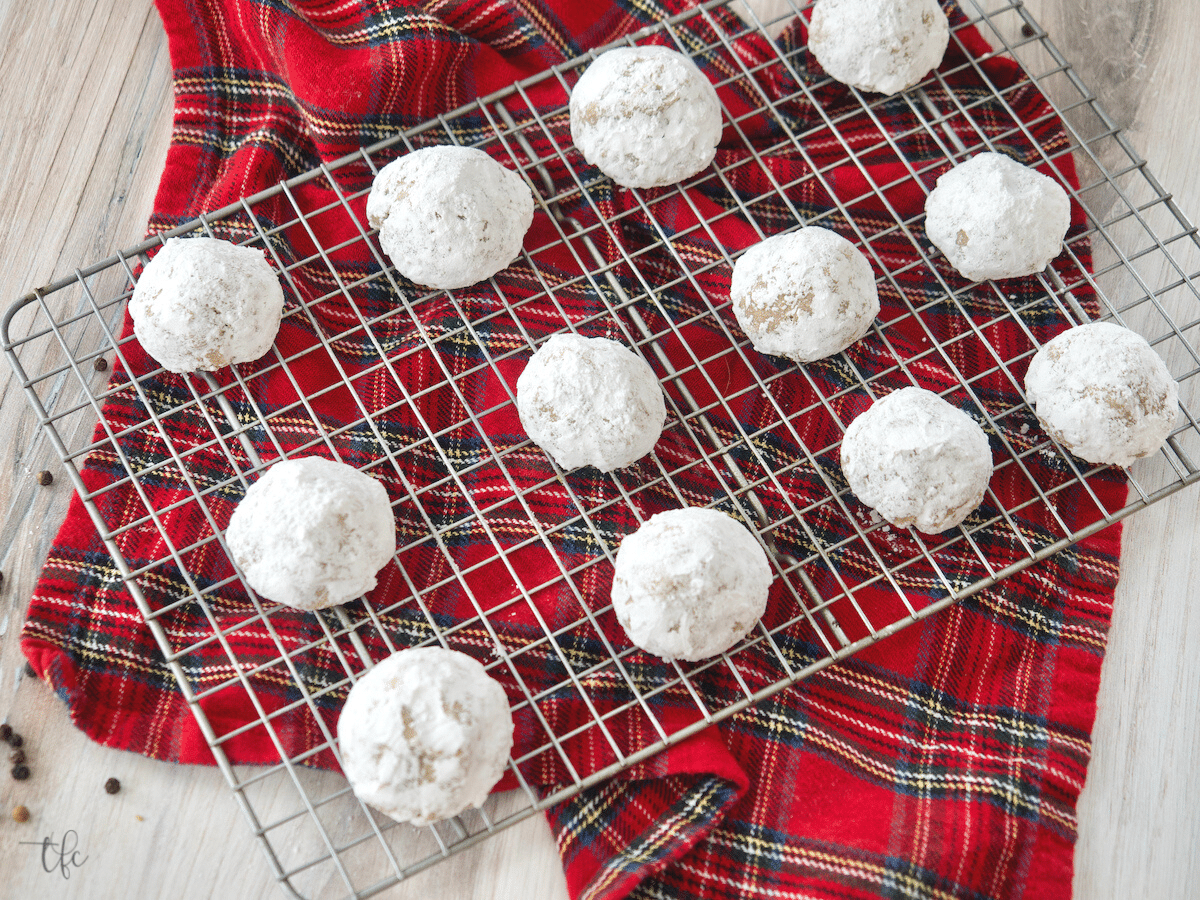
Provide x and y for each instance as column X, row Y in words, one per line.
column 29, row 671
column 20, row 773
column 1027, row 30
column 5, row 732
column 112, row 786
column 44, row 477
column 17, row 757
column 20, row 814
column 100, row 364
column 15, row 740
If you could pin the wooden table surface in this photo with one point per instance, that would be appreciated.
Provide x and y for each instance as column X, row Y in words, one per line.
column 85, row 115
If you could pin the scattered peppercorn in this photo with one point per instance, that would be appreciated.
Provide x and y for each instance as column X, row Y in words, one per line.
column 44, row 477
column 1027, row 30
column 112, row 786
column 20, row 773
column 15, row 740
column 100, row 364
column 5, row 732
column 29, row 671
column 17, row 757
column 20, row 814
column 1, row 578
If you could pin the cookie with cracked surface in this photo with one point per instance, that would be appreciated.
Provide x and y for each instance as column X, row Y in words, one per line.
column 690, row 583
column 917, row 460
column 312, row 533
column 590, row 402
column 202, row 303
column 645, row 116
column 805, row 295
column 425, row 734
column 1102, row 392
column 449, row 217
column 995, row 218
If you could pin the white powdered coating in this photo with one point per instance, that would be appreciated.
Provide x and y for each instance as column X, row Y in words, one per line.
column 690, row 583
column 449, row 217
column 312, row 533
column 590, row 402
column 804, row 295
column 995, row 218
column 878, row 45
column 425, row 734
column 646, row 116
column 204, row 303
column 917, row 460
column 1102, row 392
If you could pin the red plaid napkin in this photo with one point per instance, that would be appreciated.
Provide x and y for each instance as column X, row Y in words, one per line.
column 944, row 762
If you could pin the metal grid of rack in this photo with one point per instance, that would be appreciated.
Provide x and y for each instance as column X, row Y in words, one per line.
column 833, row 561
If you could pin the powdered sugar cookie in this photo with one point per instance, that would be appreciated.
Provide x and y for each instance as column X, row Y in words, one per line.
column 312, row 533
column 690, row 583
column 995, row 218
column 590, row 402
column 1102, row 392
column 203, row 303
column 646, row 116
column 805, row 295
column 878, row 45
column 425, row 734
column 449, row 217
column 917, row 460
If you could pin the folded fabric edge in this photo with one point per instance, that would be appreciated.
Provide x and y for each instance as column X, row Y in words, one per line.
column 613, row 836
column 164, row 729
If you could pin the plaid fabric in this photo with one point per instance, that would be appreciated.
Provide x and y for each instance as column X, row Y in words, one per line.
column 944, row 762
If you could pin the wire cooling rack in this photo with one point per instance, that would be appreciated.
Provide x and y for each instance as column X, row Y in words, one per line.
column 833, row 560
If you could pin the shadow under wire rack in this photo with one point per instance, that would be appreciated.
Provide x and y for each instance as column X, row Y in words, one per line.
column 489, row 529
